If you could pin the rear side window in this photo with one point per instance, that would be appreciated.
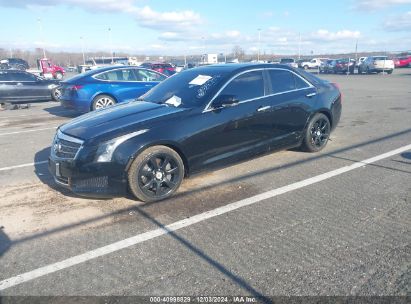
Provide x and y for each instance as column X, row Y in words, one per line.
column 283, row 81
column 146, row 75
column 118, row 75
column 22, row 77
column 4, row 76
column 246, row 86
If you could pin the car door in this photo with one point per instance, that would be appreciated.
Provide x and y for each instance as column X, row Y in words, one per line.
column 7, row 86
column 30, row 88
column 290, row 99
column 236, row 131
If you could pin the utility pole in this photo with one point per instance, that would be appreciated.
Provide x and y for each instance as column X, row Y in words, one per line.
column 82, row 50
column 111, row 45
column 299, row 45
column 356, row 49
column 259, row 43
column 41, row 36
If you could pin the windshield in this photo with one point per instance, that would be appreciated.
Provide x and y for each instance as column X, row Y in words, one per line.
column 287, row 60
column 190, row 88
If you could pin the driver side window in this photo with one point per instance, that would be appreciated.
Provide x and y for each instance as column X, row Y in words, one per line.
column 246, row 86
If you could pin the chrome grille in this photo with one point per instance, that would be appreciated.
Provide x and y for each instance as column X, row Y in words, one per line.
column 65, row 146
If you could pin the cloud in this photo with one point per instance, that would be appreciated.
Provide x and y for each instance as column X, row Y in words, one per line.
column 378, row 4
column 398, row 23
column 145, row 16
column 177, row 20
column 325, row 35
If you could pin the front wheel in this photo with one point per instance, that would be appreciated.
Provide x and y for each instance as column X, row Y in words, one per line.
column 155, row 174
column 102, row 101
column 317, row 133
column 59, row 76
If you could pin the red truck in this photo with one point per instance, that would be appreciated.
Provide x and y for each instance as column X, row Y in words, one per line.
column 47, row 69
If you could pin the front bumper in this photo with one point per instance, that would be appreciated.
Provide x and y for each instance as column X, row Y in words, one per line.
column 100, row 180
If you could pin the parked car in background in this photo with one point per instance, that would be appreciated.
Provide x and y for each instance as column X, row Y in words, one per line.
column 22, row 87
column 14, row 63
column 376, row 64
column 198, row 119
column 289, row 61
column 358, row 62
column 161, row 67
column 327, row 66
column 107, row 86
column 344, row 65
column 402, row 62
column 312, row 64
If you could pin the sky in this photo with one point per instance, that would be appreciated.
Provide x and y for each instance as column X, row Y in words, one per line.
column 178, row 27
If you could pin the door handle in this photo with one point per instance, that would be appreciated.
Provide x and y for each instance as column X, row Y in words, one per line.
column 261, row 109
column 309, row 95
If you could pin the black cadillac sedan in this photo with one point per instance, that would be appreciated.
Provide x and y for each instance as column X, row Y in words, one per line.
column 197, row 119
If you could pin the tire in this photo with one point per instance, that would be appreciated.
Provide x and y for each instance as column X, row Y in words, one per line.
column 102, row 101
column 305, row 67
column 368, row 70
column 359, row 70
column 59, row 75
column 390, row 71
column 317, row 133
column 147, row 177
column 56, row 94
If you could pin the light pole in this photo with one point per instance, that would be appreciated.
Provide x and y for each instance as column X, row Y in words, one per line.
column 259, row 43
column 111, row 45
column 41, row 36
column 299, row 45
column 82, row 50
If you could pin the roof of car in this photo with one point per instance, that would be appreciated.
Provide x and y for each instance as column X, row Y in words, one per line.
column 231, row 67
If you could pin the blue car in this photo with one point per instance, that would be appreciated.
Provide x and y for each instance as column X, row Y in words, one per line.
column 107, row 86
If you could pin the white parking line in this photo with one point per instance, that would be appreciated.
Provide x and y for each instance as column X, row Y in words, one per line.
column 23, row 165
column 26, row 131
column 139, row 238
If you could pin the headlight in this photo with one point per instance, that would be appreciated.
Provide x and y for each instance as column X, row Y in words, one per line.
column 105, row 150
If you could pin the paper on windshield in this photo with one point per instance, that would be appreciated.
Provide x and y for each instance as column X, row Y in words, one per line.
column 174, row 101
column 200, row 80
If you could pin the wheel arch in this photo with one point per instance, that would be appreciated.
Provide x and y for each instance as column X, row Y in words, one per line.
column 322, row 111
column 169, row 144
column 101, row 93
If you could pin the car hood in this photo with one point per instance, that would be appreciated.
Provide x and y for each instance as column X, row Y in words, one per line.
column 118, row 120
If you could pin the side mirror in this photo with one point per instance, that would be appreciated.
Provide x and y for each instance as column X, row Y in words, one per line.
column 223, row 101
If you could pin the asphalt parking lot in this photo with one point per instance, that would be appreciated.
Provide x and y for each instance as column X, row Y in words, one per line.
column 345, row 233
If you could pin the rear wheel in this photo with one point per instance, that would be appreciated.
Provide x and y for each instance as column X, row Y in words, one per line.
column 56, row 94
column 317, row 133
column 102, row 101
column 390, row 71
column 155, row 174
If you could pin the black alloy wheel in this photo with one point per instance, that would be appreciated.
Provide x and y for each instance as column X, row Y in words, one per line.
column 156, row 174
column 317, row 133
